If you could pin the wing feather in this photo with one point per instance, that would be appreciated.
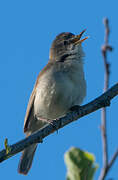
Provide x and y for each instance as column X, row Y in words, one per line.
column 29, row 110
column 30, row 107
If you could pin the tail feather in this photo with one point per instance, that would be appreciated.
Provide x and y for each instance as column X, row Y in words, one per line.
column 26, row 159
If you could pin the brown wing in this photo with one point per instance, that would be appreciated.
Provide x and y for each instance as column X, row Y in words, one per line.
column 29, row 110
column 30, row 107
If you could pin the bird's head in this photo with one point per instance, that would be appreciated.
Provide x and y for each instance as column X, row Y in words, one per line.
column 66, row 46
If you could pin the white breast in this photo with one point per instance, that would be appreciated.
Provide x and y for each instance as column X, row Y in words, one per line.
column 58, row 91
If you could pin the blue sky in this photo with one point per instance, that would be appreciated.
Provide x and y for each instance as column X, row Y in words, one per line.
column 27, row 29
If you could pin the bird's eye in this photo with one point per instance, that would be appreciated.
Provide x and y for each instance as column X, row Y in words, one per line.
column 65, row 43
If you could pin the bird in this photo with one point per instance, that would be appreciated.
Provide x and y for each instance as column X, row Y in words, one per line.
column 60, row 86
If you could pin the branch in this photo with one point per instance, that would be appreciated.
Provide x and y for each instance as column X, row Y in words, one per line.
column 105, row 48
column 105, row 171
column 115, row 155
column 37, row 137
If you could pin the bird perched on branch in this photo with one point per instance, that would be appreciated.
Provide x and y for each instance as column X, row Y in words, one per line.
column 59, row 86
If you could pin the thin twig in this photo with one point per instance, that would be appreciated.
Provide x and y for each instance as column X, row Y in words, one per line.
column 106, row 84
column 104, row 172
column 105, row 48
column 37, row 137
column 103, row 112
column 115, row 155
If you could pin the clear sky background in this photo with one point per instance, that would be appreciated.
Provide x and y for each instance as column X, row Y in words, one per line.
column 27, row 29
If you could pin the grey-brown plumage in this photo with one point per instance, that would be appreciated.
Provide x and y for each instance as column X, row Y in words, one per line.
column 26, row 159
column 59, row 86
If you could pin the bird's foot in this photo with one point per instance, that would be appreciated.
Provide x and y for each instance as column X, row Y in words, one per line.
column 53, row 123
column 49, row 121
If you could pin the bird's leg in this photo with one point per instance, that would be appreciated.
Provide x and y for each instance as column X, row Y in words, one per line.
column 48, row 121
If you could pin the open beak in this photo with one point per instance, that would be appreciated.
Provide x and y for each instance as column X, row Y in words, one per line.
column 77, row 38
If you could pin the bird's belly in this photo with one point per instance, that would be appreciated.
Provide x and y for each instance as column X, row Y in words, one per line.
column 54, row 100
